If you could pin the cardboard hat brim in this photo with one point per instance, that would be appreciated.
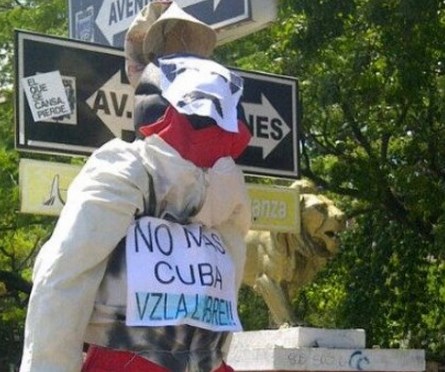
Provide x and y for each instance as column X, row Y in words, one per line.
column 149, row 33
column 196, row 37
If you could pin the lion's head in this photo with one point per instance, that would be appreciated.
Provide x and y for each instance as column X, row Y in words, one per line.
column 321, row 224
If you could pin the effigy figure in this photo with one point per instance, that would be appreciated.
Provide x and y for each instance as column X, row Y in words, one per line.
column 147, row 256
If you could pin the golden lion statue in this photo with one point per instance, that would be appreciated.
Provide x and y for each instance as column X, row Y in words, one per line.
column 278, row 265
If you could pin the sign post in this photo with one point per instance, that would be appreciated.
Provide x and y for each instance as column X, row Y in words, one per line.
column 102, row 105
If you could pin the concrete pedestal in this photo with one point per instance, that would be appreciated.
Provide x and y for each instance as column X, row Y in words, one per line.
column 313, row 349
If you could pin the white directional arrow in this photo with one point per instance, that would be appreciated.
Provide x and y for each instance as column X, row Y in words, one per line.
column 113, row 104
column 186, row 3
column 114, row 17
column 275, row 121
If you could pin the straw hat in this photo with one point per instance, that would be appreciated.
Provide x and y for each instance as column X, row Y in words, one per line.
column 161, row 28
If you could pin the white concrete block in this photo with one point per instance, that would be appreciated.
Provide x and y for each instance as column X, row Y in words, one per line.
column 250, row 359
column 302, row 337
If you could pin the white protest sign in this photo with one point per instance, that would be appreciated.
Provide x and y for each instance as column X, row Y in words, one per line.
column 46, row 95
column 179, row 274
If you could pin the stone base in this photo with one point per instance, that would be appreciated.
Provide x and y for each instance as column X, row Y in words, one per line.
column 302, row 337
column 311, row 349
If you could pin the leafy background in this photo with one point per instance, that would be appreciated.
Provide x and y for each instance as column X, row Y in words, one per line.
column 371, row 77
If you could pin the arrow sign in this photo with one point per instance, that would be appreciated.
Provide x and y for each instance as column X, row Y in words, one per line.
column 271, row 105
column 103, row 105
column 115, row 17
column 113, row 104
column 272, row 128
column 106, row 21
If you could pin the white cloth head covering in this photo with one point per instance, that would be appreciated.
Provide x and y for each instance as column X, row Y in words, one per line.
column 200, row 86
column 150, row 32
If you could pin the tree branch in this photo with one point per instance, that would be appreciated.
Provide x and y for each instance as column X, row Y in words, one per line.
column 15, row 282
column 356, row 130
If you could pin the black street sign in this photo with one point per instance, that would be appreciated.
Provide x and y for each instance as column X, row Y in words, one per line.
column 106, row 21
column 271, row 105
column 101, row 101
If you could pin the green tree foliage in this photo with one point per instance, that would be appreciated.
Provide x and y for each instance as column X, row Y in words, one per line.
column 20, row 235
column 371, row 76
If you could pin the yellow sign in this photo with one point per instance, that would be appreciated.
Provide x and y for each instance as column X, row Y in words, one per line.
column 43, row 188
column 43, row 185
column 275, row 208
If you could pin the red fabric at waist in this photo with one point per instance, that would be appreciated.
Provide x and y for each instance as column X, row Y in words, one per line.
column 100, row 359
